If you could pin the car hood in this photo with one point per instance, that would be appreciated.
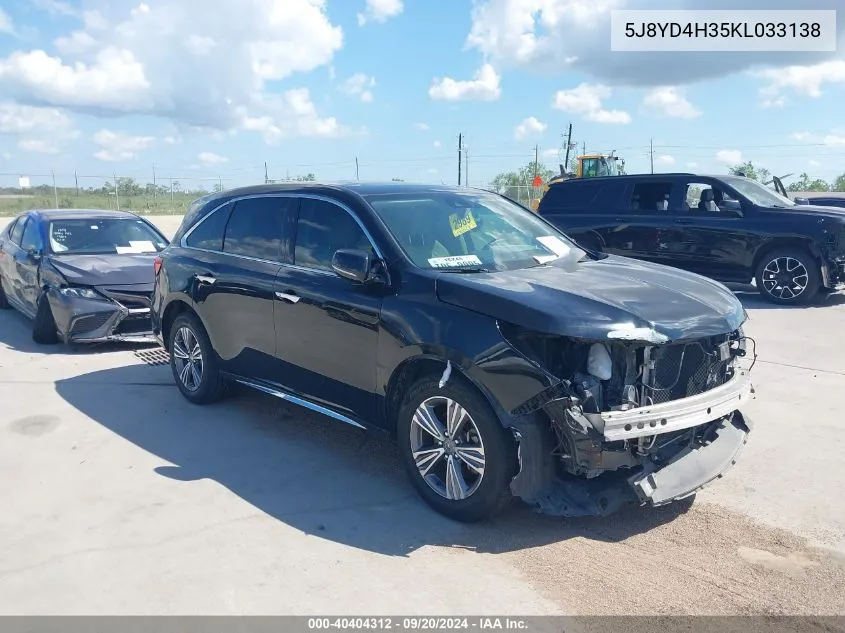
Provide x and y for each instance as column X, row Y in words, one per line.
column 105, row 270
column 814, row 210
column 610, row 298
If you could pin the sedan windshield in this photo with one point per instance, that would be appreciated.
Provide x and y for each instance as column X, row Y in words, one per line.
column 472, row 231
column 759, row 194
column 103, row 236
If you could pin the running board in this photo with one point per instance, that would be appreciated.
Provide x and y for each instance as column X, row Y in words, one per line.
column 275, row 391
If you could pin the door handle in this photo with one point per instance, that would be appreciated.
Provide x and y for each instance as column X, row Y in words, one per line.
column 205, row 279
column 287, row 297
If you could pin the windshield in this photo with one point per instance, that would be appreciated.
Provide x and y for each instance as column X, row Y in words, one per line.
column 759, row 194
column 102, row 236
column 600, row 167
column 469, row 231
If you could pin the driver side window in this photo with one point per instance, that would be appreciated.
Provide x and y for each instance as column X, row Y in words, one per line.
column 704, row 199
column 31, row 239
column 322, row 229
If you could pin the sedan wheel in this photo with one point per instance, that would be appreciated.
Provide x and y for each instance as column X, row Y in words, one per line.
column 187, row 357
column 447, row 448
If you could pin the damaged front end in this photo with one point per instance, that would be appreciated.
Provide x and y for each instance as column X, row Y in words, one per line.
column 86, row 314
column 631, row 418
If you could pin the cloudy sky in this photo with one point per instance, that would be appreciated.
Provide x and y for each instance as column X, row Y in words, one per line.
column 212, row 90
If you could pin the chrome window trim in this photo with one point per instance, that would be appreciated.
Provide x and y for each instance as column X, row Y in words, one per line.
column 183, row 240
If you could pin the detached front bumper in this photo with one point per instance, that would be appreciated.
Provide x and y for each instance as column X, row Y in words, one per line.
column 86, row 320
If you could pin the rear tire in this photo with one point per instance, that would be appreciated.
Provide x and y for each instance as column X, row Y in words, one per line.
column 481, row 429
column 788, row 276
column 193, row 361
column 44, row 327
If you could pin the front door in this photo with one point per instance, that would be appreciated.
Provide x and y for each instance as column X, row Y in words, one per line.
column 327, row 327
column 712, row 239
column 28, row 265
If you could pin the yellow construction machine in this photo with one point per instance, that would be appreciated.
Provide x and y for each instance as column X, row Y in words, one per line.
column 587, row 166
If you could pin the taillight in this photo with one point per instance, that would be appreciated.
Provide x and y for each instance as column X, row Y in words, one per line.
column 157, row 264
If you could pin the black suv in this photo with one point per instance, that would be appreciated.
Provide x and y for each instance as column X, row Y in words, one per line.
column 503, row 358
column 729, row 228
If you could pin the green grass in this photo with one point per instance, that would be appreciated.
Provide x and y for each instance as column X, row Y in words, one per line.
column 11, row 204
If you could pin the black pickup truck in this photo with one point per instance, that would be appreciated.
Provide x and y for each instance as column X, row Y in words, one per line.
column 729, row 228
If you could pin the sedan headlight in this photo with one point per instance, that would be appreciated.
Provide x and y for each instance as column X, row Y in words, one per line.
column 80, row 292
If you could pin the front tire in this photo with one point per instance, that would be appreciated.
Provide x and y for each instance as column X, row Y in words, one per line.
column 788, row 276
column 193, row 361
column 454, row 450
column 44, row 327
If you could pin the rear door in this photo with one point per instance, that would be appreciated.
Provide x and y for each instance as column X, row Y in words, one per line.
column 234, row 280
column 326, row 326
column 712, row 239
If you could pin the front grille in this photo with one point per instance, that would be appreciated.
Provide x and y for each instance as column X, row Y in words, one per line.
column 134, row 324
column 684, row 370
column 130, row 299
column 90, row 322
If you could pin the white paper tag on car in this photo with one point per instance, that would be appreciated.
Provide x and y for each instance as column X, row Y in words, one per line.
column 554, row 244
column 454, row 261
column 144, row 246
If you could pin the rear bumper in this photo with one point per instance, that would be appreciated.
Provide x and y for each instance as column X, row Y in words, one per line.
column 694, row 468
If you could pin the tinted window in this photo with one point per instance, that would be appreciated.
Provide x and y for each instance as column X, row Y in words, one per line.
column 255, row 227
column 572, row 195
column 324, row 228
column 17, row 230
column 31, row 238
column 209, row 233
column 651, row 197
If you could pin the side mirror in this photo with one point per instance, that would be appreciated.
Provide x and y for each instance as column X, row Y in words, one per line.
column 352, row 264
column 34, row 253
column 732, row 206
column 802, row 201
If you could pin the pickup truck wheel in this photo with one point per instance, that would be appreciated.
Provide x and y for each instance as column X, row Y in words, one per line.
column 455, row 451
column 44, row 327
column 788, row 277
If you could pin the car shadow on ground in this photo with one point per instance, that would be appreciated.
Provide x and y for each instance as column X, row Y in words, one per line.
column 16, row 334
column 751, row 298
column 319, row 476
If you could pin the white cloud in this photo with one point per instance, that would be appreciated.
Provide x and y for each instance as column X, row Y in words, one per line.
column 436, row 143
column 665, row 160
column 803, row 80
column 39, row 146
column 167, row 59
column 586, row 100
column 670, row 101
column 380, row 11
column 115, row 146
column 290, row 114
column 55, row 6
column 769, row 104
column 484, row 86
column 692, row 165
column 210, row 158
column 729, row 156
column 172, row 140
column 543, row 35
column 800, row 136
column 358, row 85
column 23, row 119
column 529, row 127
column 834, row 139
column 422, row 126
column 6, row 25
column 814, row 163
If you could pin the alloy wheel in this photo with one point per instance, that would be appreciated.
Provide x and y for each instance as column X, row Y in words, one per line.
column 785, row 278
column 447, row 448
column 187, row 356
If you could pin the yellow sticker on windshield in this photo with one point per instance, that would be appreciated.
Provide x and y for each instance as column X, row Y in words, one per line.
column 461, row 225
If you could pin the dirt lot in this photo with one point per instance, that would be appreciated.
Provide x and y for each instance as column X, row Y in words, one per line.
column 119, row 497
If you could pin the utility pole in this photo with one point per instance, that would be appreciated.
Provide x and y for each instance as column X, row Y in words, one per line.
column 584, row 148
column 466, row 165
column 154, row 181
column 220, row 180
column 651, row 153
column 536, row 158
column 55, row 192
column 568, row 145
column 460, row 153
column 356, row 169
column 171, row 190
column 76, row 180
column 266, row 176
column 116, row 192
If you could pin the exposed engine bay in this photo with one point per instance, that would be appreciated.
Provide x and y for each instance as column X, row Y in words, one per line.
column 663, row 416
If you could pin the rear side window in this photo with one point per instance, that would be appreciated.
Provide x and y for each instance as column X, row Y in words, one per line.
column 324, row 228
column 256, row 227
column 651, row 197
column 17, row 230
column 208, row 235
